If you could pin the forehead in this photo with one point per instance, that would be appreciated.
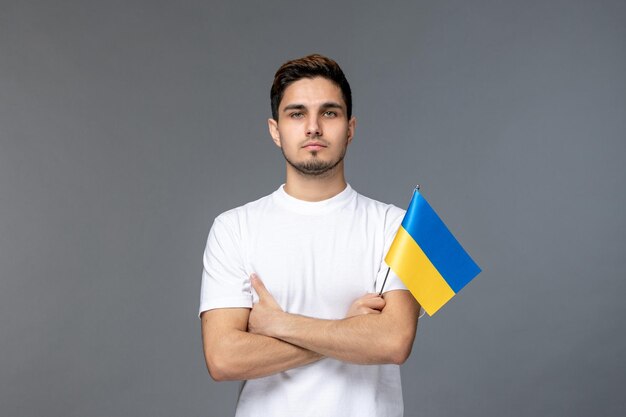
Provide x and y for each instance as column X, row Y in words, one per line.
column 311, row 91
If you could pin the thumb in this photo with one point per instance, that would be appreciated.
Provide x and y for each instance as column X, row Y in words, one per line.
column 258, row 286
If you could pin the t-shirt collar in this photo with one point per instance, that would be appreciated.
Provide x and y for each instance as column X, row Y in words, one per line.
column 313, row 207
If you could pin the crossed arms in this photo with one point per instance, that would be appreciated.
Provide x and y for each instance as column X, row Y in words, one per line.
column 242, row 343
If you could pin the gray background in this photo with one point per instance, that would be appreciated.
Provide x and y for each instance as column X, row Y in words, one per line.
column 126, row 127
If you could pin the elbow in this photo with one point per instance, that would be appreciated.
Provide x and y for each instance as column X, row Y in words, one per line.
column 399, row 356
column 217, row 374
column 215, row 367
column 220, row 369
column 400, row 349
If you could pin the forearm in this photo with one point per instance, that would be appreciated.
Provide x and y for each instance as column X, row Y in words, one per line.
column 365, row 339
column 386, row 337
column 242, row 355
column 233, row 353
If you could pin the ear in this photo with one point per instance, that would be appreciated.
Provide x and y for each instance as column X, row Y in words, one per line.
column 351, row 128
column 274, row 133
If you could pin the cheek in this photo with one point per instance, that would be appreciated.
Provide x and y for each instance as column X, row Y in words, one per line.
column 290, row 134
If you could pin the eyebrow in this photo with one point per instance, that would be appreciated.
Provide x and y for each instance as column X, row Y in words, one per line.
column 326, row 105
column 294, row 107
column 331, row 105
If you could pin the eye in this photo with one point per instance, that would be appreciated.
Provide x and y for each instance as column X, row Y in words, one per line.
column 330, row 113
column 296, row 115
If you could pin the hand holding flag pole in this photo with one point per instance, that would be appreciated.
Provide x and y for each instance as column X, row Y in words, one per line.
column 428, row 259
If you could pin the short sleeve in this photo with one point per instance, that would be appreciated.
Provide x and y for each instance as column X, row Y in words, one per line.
column 224, row 280
column 393, row 220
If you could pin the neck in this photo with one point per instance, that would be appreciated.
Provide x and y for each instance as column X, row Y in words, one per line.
column 315, row 188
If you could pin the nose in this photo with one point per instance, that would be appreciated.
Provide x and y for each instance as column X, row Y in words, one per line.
column 313, row 128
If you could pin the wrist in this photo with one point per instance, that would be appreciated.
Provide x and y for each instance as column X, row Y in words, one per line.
column 277, row 324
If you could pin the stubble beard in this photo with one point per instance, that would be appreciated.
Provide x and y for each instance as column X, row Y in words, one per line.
column 315, row 167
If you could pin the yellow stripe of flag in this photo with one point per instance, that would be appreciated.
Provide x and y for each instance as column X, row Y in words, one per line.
column 419, row 275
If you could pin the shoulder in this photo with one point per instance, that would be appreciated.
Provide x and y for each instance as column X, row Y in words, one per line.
column 238, row 214
column 389, row 213
column 236, row 221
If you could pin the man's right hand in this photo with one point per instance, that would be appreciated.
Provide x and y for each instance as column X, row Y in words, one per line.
column 370, row 303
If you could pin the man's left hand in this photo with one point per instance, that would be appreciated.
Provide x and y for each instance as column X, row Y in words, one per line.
column 266, row 312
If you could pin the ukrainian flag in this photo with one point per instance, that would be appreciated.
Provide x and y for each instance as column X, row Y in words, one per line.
column 427, row 258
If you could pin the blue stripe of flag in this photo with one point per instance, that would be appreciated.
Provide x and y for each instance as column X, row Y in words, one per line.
column 440, row 246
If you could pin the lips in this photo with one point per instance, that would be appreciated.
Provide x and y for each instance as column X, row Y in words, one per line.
column 313, row 146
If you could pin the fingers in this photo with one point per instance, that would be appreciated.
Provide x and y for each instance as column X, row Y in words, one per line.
column 372, row 301
column 375, row 303
column 361, row 311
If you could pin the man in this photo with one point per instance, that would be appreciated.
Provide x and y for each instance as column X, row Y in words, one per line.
column 288, row 298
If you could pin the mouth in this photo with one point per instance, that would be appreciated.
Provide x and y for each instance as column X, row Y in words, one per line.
column 314, row 146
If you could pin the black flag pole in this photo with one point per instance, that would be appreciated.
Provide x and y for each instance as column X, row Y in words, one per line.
column 383, row 287
column 417, row 187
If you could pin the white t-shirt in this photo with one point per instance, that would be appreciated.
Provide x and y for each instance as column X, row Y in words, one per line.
column 315, row 258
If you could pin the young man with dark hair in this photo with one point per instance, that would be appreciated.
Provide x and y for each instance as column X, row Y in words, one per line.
column 288, row 299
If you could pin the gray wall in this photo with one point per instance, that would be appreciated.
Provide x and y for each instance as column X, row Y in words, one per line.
column 126, row 127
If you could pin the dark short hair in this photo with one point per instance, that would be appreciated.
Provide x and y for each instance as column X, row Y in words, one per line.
column 310, row 66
